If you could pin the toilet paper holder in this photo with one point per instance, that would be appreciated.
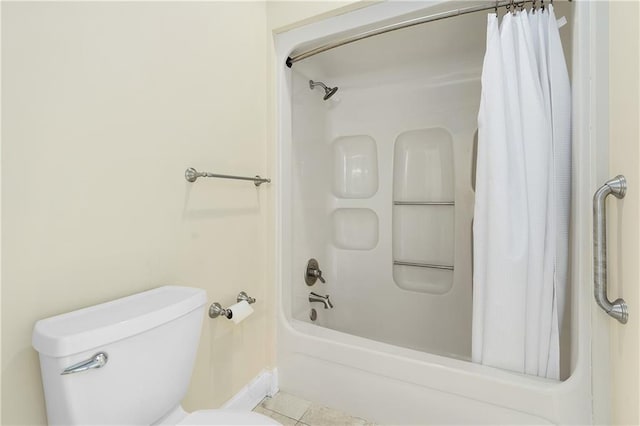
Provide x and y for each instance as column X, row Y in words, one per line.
column 216, row 309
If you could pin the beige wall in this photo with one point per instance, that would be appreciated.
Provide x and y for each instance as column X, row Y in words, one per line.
column 284, row 15
column 104, row 106
column 624, row 215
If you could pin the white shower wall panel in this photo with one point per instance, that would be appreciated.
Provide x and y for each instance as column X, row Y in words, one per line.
column 423, row 166
column 311, row 183
column 361, row 282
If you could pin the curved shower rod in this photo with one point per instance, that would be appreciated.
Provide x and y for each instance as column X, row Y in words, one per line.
column 404, row 24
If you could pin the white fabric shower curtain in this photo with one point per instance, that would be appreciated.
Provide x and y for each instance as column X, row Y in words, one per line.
column 521, row 222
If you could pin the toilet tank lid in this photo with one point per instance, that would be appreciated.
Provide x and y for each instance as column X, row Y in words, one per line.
column 98, row 325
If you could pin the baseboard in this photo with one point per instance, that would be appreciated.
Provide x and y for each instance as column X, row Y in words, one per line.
column 264, row 384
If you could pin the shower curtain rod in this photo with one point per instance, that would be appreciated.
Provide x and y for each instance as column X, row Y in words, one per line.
column 405, row 24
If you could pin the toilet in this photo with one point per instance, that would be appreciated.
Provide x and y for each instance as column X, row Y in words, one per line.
column 128, row 361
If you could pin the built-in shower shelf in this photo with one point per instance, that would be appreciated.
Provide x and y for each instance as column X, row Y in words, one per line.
column 424, row 203
column 423, row 265
column 423, row 209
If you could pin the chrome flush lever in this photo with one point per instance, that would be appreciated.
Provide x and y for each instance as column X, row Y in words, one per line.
column 99, row 360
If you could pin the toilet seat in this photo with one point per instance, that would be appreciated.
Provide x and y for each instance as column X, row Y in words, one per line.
column 225, row 417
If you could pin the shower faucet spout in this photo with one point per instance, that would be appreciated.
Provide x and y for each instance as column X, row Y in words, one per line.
column 313, row 297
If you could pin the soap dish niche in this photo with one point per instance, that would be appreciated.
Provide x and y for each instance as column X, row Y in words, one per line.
column 355, row 228
column 355, row 167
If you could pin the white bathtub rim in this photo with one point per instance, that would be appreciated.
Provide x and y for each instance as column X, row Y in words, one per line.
column 525, row 394
column 330, row 336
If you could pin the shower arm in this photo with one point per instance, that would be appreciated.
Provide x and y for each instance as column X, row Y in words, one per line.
column 618, row 308
column 313, row 84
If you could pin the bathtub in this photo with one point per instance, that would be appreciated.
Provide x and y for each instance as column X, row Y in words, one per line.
column 395, row 349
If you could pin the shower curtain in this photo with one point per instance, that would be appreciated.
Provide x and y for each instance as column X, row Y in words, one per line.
column 521, row 217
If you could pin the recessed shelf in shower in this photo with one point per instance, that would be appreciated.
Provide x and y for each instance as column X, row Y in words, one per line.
column 423, row 211
column 355, row 167
column 355, row 229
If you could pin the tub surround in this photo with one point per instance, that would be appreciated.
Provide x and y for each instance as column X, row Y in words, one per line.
column 420, row 114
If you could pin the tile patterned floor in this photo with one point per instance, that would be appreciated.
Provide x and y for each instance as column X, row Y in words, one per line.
column 293, row 411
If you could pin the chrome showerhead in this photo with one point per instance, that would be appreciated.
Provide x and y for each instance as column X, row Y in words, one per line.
column 328, row 91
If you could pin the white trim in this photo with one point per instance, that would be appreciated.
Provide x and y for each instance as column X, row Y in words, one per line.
column 596, row 104
column 264, row 384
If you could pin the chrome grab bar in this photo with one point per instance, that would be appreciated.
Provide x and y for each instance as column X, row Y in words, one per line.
column 99, row 360
column 618, row 309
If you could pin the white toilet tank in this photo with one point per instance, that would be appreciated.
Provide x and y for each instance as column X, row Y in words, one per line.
column 150, row 340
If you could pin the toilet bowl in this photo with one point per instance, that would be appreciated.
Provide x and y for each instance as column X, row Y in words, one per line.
column 128, row 361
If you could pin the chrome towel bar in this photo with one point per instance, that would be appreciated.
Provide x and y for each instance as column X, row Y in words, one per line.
column 192, row 174
column 618, row 308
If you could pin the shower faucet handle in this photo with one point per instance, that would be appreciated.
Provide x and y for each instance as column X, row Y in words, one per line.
column 313, row 273
column 318, row 274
